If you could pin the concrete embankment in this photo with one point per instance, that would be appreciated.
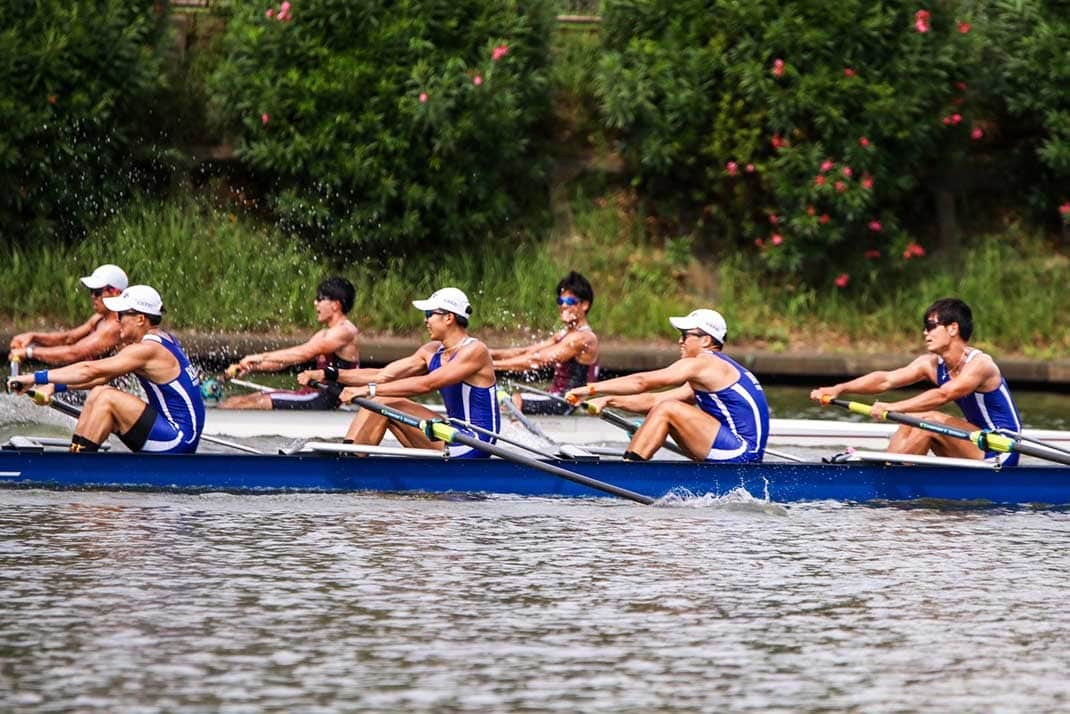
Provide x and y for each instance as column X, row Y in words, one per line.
column 630, row 357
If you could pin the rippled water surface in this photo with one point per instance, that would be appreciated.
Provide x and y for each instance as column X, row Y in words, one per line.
column 142, row 602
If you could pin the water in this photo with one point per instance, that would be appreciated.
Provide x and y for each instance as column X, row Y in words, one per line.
column 132, row 602
column 140, row 602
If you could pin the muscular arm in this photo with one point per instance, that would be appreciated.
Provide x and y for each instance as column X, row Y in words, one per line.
column 546, row 353
column 673, row 375
column 94, row 372
column 324, row 342
column 642, row 403
column 462, row 368
column 512, row 353
column 93, row 344
column 881, row 381
column 51, row 339
column 972, row 378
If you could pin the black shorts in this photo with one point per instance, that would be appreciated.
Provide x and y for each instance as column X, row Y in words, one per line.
column 323, row 399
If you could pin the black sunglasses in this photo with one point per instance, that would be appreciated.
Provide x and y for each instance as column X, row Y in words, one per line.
column 96, row 292
column 429, row 313
column 684, row 334
column 930, row 325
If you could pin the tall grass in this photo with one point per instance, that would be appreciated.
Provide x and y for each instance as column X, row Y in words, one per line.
column 219, row 271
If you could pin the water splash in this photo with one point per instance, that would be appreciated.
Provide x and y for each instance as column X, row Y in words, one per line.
column 738, row 499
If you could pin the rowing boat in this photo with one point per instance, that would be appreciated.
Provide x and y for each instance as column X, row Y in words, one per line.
column 321, row 468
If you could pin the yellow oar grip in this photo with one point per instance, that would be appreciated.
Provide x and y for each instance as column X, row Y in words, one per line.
column 993, row 442
column 442, row 431
column 860, row 408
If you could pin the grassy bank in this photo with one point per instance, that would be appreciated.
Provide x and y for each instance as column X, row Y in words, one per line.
column 224, row 271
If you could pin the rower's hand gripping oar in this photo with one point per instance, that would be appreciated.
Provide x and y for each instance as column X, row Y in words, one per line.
column 438, row 430
column 983, row 439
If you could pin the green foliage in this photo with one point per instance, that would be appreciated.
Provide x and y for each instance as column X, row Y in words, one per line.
column 388, row 126
column 80, row 78
column 816, row 129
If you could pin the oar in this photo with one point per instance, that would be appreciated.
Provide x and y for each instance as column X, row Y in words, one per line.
column 73, row 411
column 983, row 439
column 487, row 432
column 613, row 418
column 505, row 401
column 251, row 385
column 442, row 431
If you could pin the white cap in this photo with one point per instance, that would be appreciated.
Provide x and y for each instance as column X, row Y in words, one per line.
column 106, row 276
column 136, row 297
column 449, row 299
column 709, row 321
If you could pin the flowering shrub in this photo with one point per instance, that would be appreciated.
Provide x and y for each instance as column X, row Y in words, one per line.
column 80, row 79
column 813, row 130
column 382, row 125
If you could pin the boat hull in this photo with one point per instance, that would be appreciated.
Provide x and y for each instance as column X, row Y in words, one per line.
column 855, row 482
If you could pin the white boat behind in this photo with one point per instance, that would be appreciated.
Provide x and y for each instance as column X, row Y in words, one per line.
column 569, row 429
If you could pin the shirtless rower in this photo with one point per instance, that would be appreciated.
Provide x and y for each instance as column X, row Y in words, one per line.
column 572, row 351
column 716, row 410
column 95, row 337
column 453, row 362
column 335, row 347
column 962, row 374
column 172, row 420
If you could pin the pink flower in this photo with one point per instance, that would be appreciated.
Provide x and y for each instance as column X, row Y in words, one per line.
column 977, row 133
column 819, row 180
column 1065, row 209
column 774, row 218
column 778, row 68
column 750, row 168
column 956, row 118
column 499, row 52
column 847, row 171
column 871, row 254
column 964, row 27
column 826, row 165
column 732, row 168
column 265, row 118
column 823, row 219
column 285, row 7
column 913, row 250
column 841, row 186
column 809, row 210
column 867, row 181
column 269, row 13
column 776, row 141
column 776, row 239
column 842, row 279
column 848, row 72
column 477, row 80
column 759, row 242
column 863, row 142
column 875, row 226
column 423, row 97
column 961, row 86
column 921, row 21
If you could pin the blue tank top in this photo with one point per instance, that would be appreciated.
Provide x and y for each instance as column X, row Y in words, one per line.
column 988, row 410
column 476, row 405
column 178, row 401
column 741, row 407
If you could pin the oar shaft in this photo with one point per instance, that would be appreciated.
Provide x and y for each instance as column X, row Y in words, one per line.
column 444, row 432
column 499, row 437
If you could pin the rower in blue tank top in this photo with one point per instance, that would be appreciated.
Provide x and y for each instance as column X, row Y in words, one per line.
column 454, row 363
column 716, row 410
column 963, row 375
column 172, row 420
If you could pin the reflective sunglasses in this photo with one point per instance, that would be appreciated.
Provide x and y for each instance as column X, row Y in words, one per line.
column 568, row 300
column 429, row 313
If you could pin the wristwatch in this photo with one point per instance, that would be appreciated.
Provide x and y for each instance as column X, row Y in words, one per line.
column 371, row 390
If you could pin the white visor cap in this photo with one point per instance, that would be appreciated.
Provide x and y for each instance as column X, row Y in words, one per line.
column 137, row 297
column 448, row 299
column 106, row 276
column 709, row 321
